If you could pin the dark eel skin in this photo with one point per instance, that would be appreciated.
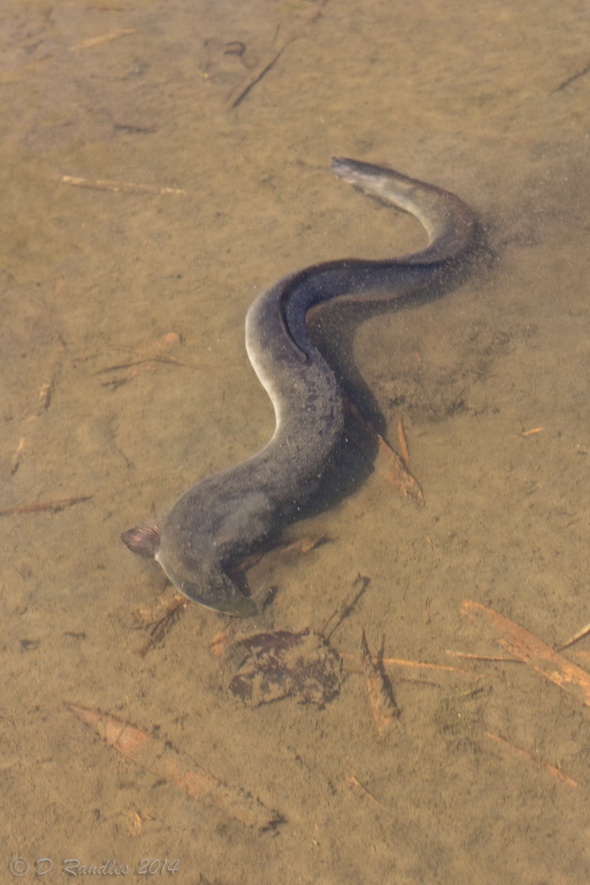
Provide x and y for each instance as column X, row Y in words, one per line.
column 225, row 517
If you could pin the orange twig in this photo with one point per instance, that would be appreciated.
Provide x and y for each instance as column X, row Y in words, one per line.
column 163, row 625
column 220, row 643
column 15, row 461
column 163, row 761
column 383, row 706
column 422, row 665
column 353, row 781
column 525, row 753
column 575, row 638
column 467, row 656
column 389, row 464
column 415, row 665
column 419, row 665
column 303, row 545
column 90, row 42
column 403, row 442
column 41, row 506
column 531, row 650
column 124, row 187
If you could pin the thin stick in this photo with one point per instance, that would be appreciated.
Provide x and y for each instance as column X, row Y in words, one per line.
column 125, row 187
column 15, row 460
column 267, row 63
column 164, row 625
column 525, row 754
column 413, row 665
column 467, row 656
column 404, row 451
column 347, row 606
column 579, row 635
column 353, row 781
column 257, row 75
column 581, row 73
column 303, row 545
column 54, row 506
column 103, row 38
column 424, row 665
column 172, row 360
column 388, row 463
column 17, row 73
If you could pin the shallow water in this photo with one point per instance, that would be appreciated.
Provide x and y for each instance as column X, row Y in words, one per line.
column 476, row 100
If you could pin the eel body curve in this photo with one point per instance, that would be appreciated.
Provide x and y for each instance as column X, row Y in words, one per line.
column 223, row 518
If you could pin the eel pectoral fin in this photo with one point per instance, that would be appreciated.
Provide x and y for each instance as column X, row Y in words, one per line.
column 223, row 595
column 143, row 540
column 205, row 582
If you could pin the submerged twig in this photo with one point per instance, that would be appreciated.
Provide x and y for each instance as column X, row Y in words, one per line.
column 531, row 650
column 124, row 187
column 15, row 460
column 403, row 442
column 162, row 760
column 347, row 606
column 256, row 76
column 520, row 751
column 385, row 711
column 581, row 73
column 238, row 94
column 41, row 506
column 575, row 638
column 163, row 625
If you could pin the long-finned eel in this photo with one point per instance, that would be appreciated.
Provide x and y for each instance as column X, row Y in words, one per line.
column 225, row 517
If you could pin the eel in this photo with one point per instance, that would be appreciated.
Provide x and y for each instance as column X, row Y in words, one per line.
column 222, row 519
